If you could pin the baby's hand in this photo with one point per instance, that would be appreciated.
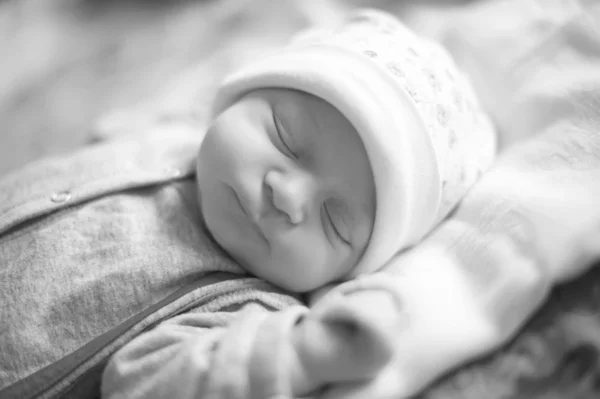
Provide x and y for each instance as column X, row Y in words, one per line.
column 347, row 336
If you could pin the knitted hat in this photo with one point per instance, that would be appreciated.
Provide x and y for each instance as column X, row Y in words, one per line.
column 424, row 133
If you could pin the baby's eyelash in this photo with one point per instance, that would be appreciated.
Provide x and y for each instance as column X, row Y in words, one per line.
column 278, row 129
column 334, row 228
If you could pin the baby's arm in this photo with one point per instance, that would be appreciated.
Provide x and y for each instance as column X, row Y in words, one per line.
column 205, row 355
column 253, row 354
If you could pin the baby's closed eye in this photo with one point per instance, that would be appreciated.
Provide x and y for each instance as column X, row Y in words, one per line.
column 336, row 220
column 284, row 138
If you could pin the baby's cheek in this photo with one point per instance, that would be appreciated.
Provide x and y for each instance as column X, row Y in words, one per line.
column 216, row 155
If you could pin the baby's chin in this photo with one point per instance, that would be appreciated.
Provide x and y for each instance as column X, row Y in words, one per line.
column 276, row 276
column 261, row 266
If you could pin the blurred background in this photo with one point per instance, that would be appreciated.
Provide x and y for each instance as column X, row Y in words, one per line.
column 69, row 67
column 73, row 70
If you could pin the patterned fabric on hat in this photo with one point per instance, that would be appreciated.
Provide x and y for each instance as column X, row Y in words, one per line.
column 444, row 98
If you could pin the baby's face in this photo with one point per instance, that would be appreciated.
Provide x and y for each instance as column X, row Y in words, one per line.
column 286, row 188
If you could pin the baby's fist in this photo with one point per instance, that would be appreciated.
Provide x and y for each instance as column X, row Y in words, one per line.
column 349, row 334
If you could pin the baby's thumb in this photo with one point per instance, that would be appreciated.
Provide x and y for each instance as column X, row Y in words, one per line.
column 349, row 337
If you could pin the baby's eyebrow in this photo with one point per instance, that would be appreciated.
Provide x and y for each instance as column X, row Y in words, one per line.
column 292, row 113
column 315, row 122
column 303, row 111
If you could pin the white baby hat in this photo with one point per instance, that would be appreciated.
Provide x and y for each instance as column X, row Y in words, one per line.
column 424, row 132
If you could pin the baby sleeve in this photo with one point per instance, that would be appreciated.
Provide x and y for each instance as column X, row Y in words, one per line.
column 208, row 355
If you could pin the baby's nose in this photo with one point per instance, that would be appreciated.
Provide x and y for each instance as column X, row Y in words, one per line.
column 291, row 194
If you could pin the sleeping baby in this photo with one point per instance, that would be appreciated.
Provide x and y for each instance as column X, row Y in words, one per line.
column 179, row 256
